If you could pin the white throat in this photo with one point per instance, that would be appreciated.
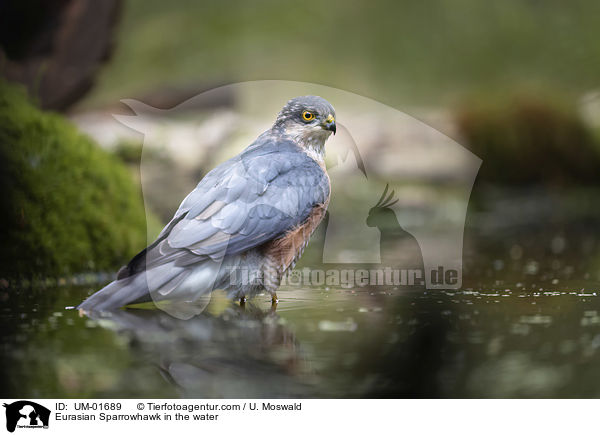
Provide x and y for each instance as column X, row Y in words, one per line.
column 312, row 140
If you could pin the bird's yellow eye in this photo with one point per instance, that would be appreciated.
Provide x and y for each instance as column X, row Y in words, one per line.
column 308, row 116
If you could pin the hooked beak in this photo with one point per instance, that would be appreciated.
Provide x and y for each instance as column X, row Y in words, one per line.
column 329, row 124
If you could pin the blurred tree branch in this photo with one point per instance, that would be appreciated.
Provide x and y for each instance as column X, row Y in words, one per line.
column 55, row 47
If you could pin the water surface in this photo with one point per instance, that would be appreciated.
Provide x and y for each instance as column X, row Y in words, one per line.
column 525, row 324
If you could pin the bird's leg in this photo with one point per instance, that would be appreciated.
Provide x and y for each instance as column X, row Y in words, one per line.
column 274, row 302
column 272, row 279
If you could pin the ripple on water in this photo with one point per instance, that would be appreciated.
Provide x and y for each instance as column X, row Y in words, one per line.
column 349, row 325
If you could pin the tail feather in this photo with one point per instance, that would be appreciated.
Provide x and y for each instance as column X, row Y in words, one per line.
column 166, row 282
column 118, row 293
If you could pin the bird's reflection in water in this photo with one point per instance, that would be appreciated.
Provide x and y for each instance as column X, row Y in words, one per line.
column 244, row 351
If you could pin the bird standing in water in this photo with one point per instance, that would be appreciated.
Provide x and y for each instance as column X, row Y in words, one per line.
column 251, row 216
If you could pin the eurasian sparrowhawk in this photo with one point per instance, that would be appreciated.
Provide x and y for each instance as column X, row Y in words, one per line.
column 253, row 213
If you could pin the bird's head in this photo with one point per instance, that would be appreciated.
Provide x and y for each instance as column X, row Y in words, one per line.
column 310, row 120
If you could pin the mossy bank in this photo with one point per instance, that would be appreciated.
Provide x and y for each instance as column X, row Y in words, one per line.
column 68, row 206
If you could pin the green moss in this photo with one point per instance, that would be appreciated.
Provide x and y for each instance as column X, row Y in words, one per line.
column 68, row 206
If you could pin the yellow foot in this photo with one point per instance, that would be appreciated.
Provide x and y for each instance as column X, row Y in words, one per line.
column 274, row 302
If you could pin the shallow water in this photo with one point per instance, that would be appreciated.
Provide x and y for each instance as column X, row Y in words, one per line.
column 525, row 324
column 317, row 343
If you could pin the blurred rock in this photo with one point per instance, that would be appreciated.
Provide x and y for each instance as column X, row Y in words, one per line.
column 531, row 140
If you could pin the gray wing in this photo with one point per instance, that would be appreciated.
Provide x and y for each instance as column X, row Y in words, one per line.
column 243, row 203
column 255, row 197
